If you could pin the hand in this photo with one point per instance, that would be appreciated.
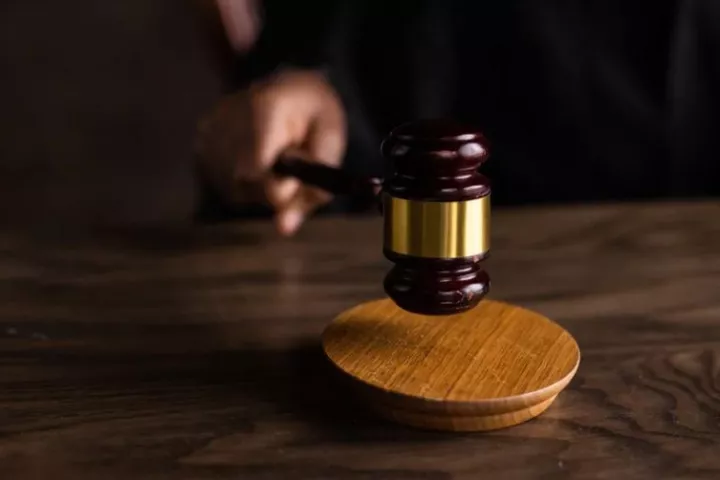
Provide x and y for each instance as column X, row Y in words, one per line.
column 295, row 113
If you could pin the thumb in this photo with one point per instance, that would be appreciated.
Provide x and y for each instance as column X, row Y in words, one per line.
column 292, row 215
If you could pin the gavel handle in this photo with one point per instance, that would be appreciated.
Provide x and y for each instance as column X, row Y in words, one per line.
column 332, row 180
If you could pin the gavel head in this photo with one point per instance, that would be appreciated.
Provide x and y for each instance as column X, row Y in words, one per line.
column 436, row 209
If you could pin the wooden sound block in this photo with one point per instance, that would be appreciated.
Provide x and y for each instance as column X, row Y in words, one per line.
column 491, row 367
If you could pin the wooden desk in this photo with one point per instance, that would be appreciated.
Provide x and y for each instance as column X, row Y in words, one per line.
column 194, row 354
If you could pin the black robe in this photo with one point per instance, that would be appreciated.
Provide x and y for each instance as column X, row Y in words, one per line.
column 583, row 100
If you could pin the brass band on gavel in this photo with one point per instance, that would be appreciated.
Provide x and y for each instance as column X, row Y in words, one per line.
column 432, row 229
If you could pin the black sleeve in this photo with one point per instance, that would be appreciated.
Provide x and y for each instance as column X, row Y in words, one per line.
column 301, row 34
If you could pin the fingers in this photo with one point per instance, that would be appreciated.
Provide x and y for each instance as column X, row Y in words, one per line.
column 324, row 141
column 274, row 139
column 277, row 127
column 326, row 138
column 271, row 119
column 311, row 136
column 289, row 219
column 292, row 215
column 294, row 113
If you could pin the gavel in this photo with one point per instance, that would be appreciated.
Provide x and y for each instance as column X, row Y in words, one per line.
column 436, row 209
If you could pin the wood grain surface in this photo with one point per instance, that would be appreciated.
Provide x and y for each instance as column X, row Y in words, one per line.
column 194, row 354
column 493, row 366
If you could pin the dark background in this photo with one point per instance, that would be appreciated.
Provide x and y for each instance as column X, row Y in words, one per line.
column 99, row 100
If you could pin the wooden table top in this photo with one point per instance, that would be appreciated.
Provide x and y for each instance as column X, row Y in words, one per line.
column 193, row 354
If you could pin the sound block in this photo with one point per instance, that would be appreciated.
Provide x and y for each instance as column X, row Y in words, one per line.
column 491, row 367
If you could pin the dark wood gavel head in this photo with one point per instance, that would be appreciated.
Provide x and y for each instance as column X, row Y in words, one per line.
column 436, row 209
